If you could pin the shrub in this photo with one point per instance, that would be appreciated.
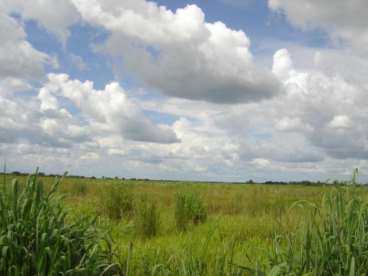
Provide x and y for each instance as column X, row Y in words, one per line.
column 116, row 201
column 35, row 238
column 334, row 242
column 147, row 218
column 189, row 209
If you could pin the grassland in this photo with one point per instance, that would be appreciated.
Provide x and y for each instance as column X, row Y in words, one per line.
column 235, row 232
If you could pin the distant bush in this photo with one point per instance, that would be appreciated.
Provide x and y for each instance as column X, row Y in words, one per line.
column 116, row 201
column 35, row 238
column 189, row 209
column 147, row 217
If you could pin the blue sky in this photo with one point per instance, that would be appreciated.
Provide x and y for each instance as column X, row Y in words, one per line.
column 210, row 90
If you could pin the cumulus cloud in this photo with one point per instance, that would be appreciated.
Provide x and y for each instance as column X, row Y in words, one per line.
column 342, row 19
column 54, row 16
column 282, row 64
column 19, row 61
column 317, row 124
column 106, row 110
column 179, row 53
column 70, row 119
column 330, row 106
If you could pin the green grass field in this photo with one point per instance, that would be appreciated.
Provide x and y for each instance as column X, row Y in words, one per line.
column 182, row 228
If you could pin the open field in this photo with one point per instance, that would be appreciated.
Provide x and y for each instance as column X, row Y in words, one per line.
column 232, row 231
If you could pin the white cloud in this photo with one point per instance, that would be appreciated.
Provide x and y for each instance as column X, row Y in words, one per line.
column 340, row 121
column 19, row 61
column 260, row 162
column 289, row 124
column 282, row 64
column 331, row 107
column 342, row 19
column 107, row 110
column 179, row 53
column 317, row 125
column 54, row 16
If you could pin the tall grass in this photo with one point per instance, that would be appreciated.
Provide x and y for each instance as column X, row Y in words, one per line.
column 234, row 231
column 116, row 201
column 189, row 208
column 147, row 218
column 80, row 188
column 36, row 239
column 334, row 241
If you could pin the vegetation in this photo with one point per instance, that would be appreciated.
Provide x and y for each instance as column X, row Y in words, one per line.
column 147, row 219
column 174, row 228
column 35, row 238
column 116, row 201
column 189, row 209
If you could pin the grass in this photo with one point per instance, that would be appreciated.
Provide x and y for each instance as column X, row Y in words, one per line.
column 147, row 218
column 189, row 208
column 35, row 238
column 116, row 201
column 228, row 229
column 334, row 241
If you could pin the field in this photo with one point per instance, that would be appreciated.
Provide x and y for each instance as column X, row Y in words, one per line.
column 182, row 228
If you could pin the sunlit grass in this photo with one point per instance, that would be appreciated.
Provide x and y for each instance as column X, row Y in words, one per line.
column 243, row 225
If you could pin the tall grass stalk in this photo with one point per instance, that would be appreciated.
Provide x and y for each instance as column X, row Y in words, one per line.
column 35, row 238
column 189, row 208
column 147, row 218
column 333, row 242
column 117, row 201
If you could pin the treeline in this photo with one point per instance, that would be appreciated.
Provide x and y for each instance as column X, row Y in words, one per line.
column 268, row 182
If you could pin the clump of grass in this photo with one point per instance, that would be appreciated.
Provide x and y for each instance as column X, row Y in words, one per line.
column 117, row 201
column 147, row 218
column 189, row 208
column 333, row 242
column 35, row 238
column 80, row 188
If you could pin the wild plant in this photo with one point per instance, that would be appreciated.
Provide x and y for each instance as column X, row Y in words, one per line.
column 80, row 188
column 147, row 217
column 189, row 208
column 333, row 242
column 117, row 201
column 36, row 237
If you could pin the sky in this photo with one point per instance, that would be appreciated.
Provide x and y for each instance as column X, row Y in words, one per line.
column 220, row 90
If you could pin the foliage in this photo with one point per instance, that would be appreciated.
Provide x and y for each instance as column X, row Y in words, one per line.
column 147, row 218
column 238, row 235
column 80, row 188
column 117, row 201
column 333, row 242
column 35, row 238
column 189, row 208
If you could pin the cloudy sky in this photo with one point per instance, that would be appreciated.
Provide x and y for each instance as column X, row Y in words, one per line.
column 207, row 90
